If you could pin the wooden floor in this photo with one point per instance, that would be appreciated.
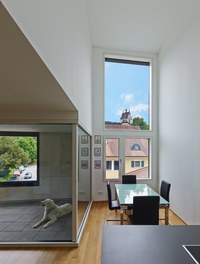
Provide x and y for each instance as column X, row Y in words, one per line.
column 88, row 252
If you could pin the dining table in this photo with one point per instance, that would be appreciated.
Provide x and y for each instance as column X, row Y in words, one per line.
column 126, row 192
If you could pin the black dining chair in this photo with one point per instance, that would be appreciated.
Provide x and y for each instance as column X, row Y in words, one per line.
column 129, row 179
column 145, row 210
column 112, row 204
column 165, row 193
column 165, row 190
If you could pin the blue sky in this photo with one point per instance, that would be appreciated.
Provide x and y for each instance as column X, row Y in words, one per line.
column 126, row 87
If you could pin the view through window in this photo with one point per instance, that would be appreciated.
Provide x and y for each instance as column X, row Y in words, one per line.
column 128, row 160
column 127, row 89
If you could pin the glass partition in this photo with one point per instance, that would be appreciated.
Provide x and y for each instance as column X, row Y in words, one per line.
column 42, row 212
column 84, row 174
column 37, row 172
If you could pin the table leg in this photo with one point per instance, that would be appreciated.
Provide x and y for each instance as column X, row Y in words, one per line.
column 121, row 216
column 166, row 215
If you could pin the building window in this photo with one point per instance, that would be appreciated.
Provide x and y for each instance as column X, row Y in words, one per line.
column 135, row 147
column 112, row 165
column 116, row 165
column 108, row 165
column 137, row 163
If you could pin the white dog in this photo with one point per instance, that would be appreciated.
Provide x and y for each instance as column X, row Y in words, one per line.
column 52, row 212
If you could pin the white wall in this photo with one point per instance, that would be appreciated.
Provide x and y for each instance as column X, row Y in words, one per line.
column 179, row 123
column 59, row 32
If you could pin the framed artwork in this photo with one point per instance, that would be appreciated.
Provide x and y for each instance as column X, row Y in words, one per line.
column 97, row 139
column 84, row 139
column 84, row 164
column 97, row 164
column 97, row 151
column 84, row 151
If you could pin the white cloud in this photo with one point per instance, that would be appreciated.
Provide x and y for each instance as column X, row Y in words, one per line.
column 138, row 109
column 127, row 98
column 119, row 112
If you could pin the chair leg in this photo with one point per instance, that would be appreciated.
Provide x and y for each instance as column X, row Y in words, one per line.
column 114, row 220
column 111, row 220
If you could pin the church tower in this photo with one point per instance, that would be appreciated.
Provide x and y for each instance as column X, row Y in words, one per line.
column 126, row 118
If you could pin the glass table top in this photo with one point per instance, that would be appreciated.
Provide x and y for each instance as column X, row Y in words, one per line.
column 126, row 192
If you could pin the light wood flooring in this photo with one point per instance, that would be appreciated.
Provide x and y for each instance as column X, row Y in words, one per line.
column 88, row 252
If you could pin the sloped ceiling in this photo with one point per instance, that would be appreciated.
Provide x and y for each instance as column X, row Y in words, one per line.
column 26, row 84
column 139, row 25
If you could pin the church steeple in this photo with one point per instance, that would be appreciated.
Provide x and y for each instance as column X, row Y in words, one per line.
column 126, row 118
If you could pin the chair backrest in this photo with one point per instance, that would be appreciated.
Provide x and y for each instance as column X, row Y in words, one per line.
column 109, row 195
column 165, row 190
column 146, row 210
column 129, row 179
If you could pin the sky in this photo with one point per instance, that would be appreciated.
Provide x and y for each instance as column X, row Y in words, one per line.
column 126, row 87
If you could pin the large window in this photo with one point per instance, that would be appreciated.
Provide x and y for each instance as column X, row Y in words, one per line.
column 19, row 159
column 127, row 91
column 127, row 115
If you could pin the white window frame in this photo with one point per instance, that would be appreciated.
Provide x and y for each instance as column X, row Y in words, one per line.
column 150, row 134
column 132, row 58
column 121, row 150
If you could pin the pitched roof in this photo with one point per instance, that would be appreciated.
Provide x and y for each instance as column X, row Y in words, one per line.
column 140, row 173
column 136, row 147
column 121, row 126
column 140, row 149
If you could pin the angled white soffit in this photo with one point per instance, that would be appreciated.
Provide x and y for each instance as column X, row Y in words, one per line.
column 139, row 25
column 26, row 84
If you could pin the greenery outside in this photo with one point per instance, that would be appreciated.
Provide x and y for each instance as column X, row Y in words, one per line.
column 14, row 152
column 138, row 121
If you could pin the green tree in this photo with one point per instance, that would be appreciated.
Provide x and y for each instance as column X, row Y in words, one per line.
column 139, row 121
column 29, row 145
column 11, row 155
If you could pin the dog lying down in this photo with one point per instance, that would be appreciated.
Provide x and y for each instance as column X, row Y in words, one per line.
column 53, row 212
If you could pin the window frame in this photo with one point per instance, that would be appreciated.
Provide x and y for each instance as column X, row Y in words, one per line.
column 140, row 60
column 150, row 134
column 121, row 140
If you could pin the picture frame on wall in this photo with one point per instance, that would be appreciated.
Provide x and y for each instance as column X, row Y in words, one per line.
column 84, row 151
column 97, row 164
column 84, row 139
column 84, row 164
column 97, row 151
column 97, row 139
